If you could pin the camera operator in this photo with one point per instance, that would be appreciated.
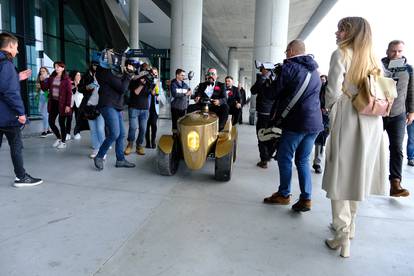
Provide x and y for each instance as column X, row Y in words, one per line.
column 111, row 103
column 213, row 91
column 140, row 88
column 298, row 76
column 401, row 114
column 264, row 103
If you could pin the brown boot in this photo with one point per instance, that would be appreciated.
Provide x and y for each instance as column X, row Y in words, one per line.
column 129, row 147
column 277, row 199
column 140, row 150
column 396, row 189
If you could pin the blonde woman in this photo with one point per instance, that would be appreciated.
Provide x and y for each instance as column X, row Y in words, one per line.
column 355, row 159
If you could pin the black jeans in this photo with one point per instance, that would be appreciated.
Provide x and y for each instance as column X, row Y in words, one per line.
column 175, row 115
column 14, row 137
column 63, row 121
column 151, row 132
column 236, row 113
column 263, row 121
column 395, row 127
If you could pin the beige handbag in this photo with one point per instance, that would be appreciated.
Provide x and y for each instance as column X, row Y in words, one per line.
column 377, row 99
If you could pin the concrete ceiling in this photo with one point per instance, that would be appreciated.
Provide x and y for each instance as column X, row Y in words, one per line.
column 231, row 24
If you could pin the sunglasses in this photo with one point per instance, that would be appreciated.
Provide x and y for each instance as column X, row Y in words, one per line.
column 210, row 74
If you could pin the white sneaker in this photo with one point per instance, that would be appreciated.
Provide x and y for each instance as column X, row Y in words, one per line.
column 68, row 137
column 93, row 154
column 57, row 143
column 62, row 145
column 77, row 136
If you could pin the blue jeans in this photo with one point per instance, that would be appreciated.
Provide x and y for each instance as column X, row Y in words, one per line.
column 137, row 118
column 43, row 111
column 97, row 128
column 298, row 144
column 410, row 142
column 116, row 133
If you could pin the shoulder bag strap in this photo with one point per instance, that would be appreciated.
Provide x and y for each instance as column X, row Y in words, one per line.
column 297, row 96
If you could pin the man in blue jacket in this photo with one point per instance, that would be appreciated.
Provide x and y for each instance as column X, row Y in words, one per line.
column 301, row 125
column 12, row 113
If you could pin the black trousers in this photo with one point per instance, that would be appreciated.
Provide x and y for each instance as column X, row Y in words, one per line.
column 63, row 121
column 236, row 113
column 222, row 112
column 263, row 121
column 395, row 128
column 175, row 115
column 151, row 132
column 14, row 137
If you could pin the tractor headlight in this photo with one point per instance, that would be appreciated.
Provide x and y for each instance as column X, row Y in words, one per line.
column 193, row 141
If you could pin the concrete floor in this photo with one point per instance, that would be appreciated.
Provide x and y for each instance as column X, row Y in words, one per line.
column 135, row 222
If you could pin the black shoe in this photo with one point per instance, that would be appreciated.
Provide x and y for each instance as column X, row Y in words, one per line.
column 48, row 133
column 303, row 205
column 153, row 145
column 98, row 163
column 43, row 134
column 124, row 164
column 27, row 181
column 317, row 169
column 148, row 146
column 411, row 162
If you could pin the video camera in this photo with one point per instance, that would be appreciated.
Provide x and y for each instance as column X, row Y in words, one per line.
column 274, row 69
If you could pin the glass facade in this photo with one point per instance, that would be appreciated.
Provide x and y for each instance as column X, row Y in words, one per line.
column 48, row 30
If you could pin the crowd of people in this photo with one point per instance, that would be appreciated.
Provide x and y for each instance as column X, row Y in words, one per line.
column 311, row 109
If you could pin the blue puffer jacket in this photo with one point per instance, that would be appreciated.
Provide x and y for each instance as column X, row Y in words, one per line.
column 306, row 115
column 11, row 103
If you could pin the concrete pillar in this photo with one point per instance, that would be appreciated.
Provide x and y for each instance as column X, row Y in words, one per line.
column 134, row 24
column 233, row 65
column 186, row 27
column 270, row 36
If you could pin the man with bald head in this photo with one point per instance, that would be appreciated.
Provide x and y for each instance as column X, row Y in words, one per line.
column 300, row 126
column 213, row 91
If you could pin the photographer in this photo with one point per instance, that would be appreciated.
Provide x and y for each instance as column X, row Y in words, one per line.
column 401, row 114
column 111, row 103
column 264, row 103
column 214, row 92
column 138, row 110
column 298, row 76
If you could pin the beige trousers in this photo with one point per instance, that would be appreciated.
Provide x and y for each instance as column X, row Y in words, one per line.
column 343, row 217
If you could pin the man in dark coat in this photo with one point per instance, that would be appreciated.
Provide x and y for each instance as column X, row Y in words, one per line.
column 12, row 113
column 213, row 91
column 233, row 100
column 300, row 127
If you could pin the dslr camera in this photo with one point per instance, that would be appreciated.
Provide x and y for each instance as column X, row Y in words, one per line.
column 274, row 69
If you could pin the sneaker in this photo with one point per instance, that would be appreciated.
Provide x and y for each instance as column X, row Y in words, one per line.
column 411, row 162
column 48, row 133
column 56, row 143
column 62, row 145
column 124, row 164
column 140, row 150
column 43, row 134
column 77, row 136
column 277, row 199
column 27, row 181
column 93, row 154
column 68, row 137
column 303, row 205
column 99, row 163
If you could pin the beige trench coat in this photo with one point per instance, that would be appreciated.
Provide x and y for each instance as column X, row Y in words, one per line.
column 356, row 164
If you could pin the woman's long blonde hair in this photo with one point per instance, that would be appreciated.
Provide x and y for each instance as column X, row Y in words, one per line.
column 358, row 37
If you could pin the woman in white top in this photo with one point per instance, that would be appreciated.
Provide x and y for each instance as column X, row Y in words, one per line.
column 355, row 160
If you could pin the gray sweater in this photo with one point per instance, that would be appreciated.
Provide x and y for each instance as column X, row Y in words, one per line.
column 405, row 88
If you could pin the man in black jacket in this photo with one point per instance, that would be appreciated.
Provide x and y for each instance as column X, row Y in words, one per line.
column 233, row 100
column 213, row 91
column 264, row 103
column 111, row 103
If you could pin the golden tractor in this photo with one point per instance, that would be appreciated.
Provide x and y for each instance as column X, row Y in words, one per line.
column 198, row 138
